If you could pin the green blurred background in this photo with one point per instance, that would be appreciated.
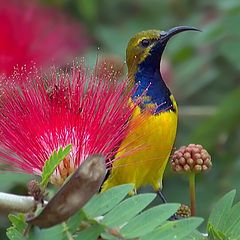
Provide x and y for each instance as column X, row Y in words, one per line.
column 202, row 70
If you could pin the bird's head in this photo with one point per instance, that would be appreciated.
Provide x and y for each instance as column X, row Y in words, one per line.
column 148, row 46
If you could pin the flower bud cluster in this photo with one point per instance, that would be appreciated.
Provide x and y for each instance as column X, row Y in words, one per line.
column 191, row 158
column 183, row 212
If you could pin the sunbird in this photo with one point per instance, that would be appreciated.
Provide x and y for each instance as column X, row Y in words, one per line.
column 154, row 119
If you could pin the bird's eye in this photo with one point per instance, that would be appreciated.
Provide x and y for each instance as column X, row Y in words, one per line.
column 145, row 43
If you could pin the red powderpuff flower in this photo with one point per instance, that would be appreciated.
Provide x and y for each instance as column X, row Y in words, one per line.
column 46, row 113
column 30, row 32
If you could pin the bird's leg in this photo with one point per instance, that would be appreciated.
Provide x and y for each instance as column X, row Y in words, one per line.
column 160, row 194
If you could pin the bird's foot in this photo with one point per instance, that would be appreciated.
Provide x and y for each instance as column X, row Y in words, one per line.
column 174, row 217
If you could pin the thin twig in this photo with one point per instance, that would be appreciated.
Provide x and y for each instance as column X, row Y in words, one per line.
column 197, row 111
column 16, row 203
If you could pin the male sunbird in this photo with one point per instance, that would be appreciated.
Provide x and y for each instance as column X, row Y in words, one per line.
column 156, row 117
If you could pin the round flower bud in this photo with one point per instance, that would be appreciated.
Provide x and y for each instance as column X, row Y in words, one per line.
column 191, row 158
column 183, row 212
column 35, row 190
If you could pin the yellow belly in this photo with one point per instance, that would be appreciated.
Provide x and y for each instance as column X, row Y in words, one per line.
column 143, row 155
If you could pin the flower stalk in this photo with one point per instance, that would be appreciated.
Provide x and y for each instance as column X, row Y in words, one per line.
column 191, row 160
column 192, row 190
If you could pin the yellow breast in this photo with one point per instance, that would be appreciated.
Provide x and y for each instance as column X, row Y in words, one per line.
column 143, row 155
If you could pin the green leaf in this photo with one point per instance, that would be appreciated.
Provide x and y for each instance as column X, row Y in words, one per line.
column 18, row 221
column 74, row 222
column 174, row 230
column 127, row 209
column 150, row 219
column 231, row 224
column 15, row 232
column 195, row 235
column 105, row 201
column 51, row 164
column 108, row 236
column 56, row 232
column 221, row 210
column 91, row 233
column 215, row 234
column 224, row 221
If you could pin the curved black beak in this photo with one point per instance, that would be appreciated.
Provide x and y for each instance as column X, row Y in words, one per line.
column 166, row 35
